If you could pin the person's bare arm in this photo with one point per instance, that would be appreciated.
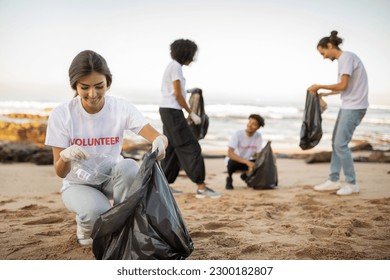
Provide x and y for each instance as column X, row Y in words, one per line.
column 334, row 88
column 159, row 141
column 149, row 133
column 179, row 97
column 233, row 156
column 61, row 167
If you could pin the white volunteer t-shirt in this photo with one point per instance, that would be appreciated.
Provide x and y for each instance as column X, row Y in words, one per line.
column 356, row 94
column 245, row 146
column 172, row 73
column 100, row 133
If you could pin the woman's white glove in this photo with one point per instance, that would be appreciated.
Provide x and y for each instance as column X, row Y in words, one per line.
column 74, row 152
column 160, row 144
column 195, row 118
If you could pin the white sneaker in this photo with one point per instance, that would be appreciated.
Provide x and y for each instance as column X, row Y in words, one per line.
column 207, row 192
column 83, row 236
column 348, row 189
column 328, row 185
column 175, row 192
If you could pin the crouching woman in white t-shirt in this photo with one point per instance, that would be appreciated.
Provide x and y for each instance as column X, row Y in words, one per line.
column 86, row 133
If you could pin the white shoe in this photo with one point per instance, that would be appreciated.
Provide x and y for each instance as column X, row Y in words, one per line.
column 328, row 185
column 207, row 192
column 175, row 192
column 348, row 189
column 83, row 236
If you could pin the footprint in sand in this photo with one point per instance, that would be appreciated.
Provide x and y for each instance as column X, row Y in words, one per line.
column 32, row 207
column 6, row 201
column 228, row 242
column 251, row 249
column 44, row 221
column 321, row 232
column 344, row 229
column 384, row 201
column 204, row 234
column 214, row 225
column 379, row 218
column 360, row 224
column 50, row 233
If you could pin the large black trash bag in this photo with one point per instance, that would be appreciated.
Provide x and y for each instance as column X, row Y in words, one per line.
column 197, row 106
column 311, row 129
column 147, row 225
column 265, row 173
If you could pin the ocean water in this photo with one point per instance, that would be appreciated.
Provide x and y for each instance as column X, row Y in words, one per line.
column 282, row 122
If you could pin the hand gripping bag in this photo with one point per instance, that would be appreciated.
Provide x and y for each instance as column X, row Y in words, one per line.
column 147, row 226
column 311, row 129
column 265, row 173
column 197, row 106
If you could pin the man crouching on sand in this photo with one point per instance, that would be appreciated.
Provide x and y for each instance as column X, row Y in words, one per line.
column 243, row 148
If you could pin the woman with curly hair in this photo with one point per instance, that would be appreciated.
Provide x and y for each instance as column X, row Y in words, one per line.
column 183, row 150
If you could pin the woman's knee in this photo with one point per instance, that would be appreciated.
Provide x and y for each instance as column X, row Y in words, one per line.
column 127, row 169
column 88, row 217
column 87, row 208
column 86, row 202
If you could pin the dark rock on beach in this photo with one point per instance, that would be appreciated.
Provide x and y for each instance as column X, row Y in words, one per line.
column 375, row 156
column 319, row 157
column 25, row 152
column 364, row 146
column 325, row 156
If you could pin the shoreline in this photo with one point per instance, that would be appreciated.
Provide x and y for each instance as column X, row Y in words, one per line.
column 283, row 125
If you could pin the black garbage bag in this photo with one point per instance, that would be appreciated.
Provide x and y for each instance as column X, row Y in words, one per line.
column 265, row 173
column 197, row 106
column 147, row 225
column 311, row 129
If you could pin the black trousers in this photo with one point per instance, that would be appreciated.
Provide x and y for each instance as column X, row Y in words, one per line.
column 183, row 151
column 234, row 166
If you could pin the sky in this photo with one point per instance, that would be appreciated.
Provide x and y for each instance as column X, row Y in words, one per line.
column 250, row 51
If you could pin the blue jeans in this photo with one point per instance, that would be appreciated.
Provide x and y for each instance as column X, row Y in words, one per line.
column 346, row 123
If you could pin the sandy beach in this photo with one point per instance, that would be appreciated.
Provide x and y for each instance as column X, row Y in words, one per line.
column 289, row 223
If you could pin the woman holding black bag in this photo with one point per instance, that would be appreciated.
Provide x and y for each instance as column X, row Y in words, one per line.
column 183, row 150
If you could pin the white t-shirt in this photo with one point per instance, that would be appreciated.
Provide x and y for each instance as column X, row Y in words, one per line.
column 245, row 146
column 172, row 73
column 100, row 133
column 356, row 94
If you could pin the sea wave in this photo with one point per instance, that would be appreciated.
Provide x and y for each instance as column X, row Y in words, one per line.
column 26, row 107
column 282, row 123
